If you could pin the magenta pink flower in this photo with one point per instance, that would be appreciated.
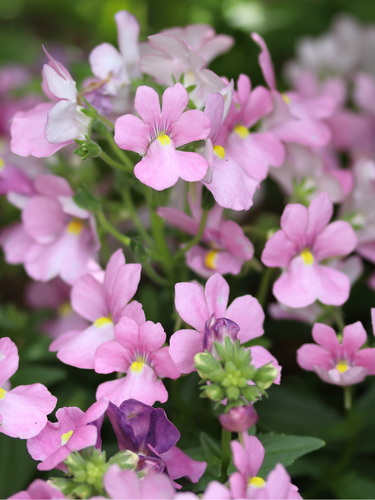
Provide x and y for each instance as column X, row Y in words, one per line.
column 158, row 133
column 73, row 431
column 304, row 240
column 39, row 490
column 137, row 351
column 103, row 305
column 338, row 362
column 239, row 418
column 196, row 307
column 56, row 237
column 48, row 127
column 226, row 247
column 24, row 409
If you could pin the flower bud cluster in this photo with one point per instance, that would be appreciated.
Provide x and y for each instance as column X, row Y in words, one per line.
column 232, row 375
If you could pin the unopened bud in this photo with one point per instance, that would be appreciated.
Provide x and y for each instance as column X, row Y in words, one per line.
column 265, row 376
column 239, row 419
column 214, row 392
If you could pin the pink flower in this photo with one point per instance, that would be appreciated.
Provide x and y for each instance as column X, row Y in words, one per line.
column 48, row 127
column 56, row 237
column 157, row 135
column 304, row 240
column 73, row 431
column 338, row 362
column 24, row 409
column 197, row 306
column 239, row 419
column 245, row 483
column 103, row 305
column 39, row 490
column 137, row 351
column 226, row 246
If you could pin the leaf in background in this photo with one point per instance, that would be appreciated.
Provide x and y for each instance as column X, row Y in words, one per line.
column 43, row 374
column 353, row 485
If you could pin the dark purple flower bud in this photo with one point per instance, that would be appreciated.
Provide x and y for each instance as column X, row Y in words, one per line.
column 239, row 419
column 216, row 330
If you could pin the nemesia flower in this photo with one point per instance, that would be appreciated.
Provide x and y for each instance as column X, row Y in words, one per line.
column 48, row 127
column 245, row 483
column 12, row 179
column 103, row 305
column 157, row 135
column 227, row 246
column 137, row 351
column 39, row 490
column 239, row 419
column 73, row 431
column 24, row 409
column 339, row 362
column 56, row 237
column 304, row 240
column 202, row 308
column 148, row 432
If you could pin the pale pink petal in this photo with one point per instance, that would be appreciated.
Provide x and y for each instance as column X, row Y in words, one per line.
column 184, row 345
column 334, row 286
column 294, row 223
column 39, row 489
column 216, row 490
column 260, row 103
column 122, row 484
column 151, row 336
column 191, row 126
column 160, row 168
column 320, row 213
column 277, row 484
column 127, row 333
column 124, row 288
column 354, row 336
column 278, row 250
column 265, row 61
column 311, row 355
column 60, row 86
column 366, row 359
column 180, row 465
column 112, row 357
column 88, row 298
column 175, row 99
column 116, row 260
column 9, row 359
column 179, row 219
column 43, row 219
column 61, row 123
column 134, row 311
column 336, row 239
column 217, row 294
column 216, row 46
column 214, row 109
column 104, row 59
column 325, row 336
column 132, row 134
column 147, row 105
column 234, row 240
column 249, row 316
column 128, row 34
column 163, row 364
column 191, row 305
column 52, row 186
column 15, row 242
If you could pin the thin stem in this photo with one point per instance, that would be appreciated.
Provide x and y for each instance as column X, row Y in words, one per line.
column 118, row 152
column 264, row 285
column 347, row 397
column 155, row 276
column 106, row 121
column 196, row 239
column 226, row 437
column 133, row 213
column 114, row 163
column 339, row 319
column 112, row 230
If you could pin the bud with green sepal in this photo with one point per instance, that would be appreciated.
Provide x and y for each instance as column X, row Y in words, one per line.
column 88, row 149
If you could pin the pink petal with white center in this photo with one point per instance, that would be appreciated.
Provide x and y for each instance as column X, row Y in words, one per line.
column 9, row 359
column 104, row 59
column 163, row 364
column 278, row 250
column 61, row 123
column 191, row 305
column 180, row 465
column 175, row 99
column 52, row 186
column 217, row 294
column 112, row 357
column 354, row 336
column 28, row 133
column 265, row 61
column 325, row 336
column 366, row 359
column 179, row 219
column 43, row 219
column 184, row 345
column 151, row 336
column 228, row 177
column 80, row 350
column 132, row 134
column 24, row 410
column 294, row 223
column 143, row 386
column 354, row 375
column 147, row 105
column 260, row 357
column 59, row 86
column 336, row 239
column 234, row 240
column 193, row 125
column 320, row 213
column 15, row 242
column 124, row 288
column 311, row 355
column 249, row 316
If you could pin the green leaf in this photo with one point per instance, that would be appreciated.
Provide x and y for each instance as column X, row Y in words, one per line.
column 284, row 449
column 85, row 199
column 210, row 448
column 46, row 375
column 353, row 485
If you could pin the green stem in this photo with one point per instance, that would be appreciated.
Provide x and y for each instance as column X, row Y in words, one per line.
column 112, row 230
column 339, row 319
column 154, row 275
column 255, row 231
column 264, row 285
column 347, row 397
column 113, row 163
column 133, row 213
column 119, row 152
column 196, row 239
column 226, row 437
column 106, row 121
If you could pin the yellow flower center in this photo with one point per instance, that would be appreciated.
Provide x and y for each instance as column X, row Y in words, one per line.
column 286, row 98
column 342, row 365
column 65, row 437
column 65, row 309
column 2, row 163
column 210, row 259
column 219, row 151
column 76, row 226
column 241, row 131
column 2, row 393
column 256, row 481
column 307, row 256
column 102, row 322
column 137, row 366
column 164, row 140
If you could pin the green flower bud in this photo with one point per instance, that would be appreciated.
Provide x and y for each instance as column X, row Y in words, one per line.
column 233, row 392
column 125, row 459
column 214, row 392
column 250, row 393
